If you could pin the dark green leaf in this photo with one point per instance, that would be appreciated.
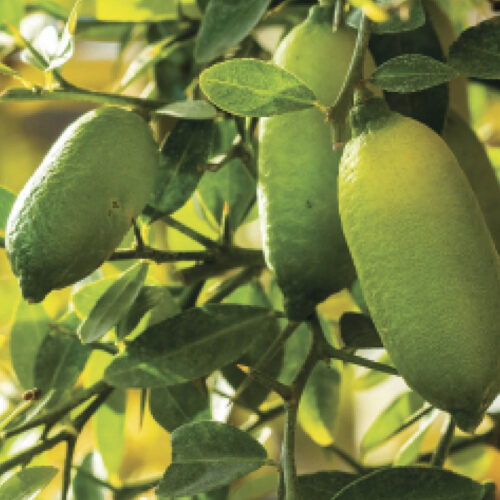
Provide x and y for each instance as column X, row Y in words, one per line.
column 224, row 24
column 27, row 483
column 391, row 419
column 177, row 405
column 84, row 488
column 419, row 483
column 323, row 485
column 60, row 360
column 489, row 490
column 113, row 304
column 395, row 23
column 31, row 325
column 477, row 51
column 206, row 455
column 251, row 87
column 411, row 73
column 182, row 156
column 7, row 199
column 188, row 110
column 189, row 345
column 358, row 331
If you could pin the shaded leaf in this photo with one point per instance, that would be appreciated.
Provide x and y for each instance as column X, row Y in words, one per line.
column 113, row 304
column 206, row 455
column 323, row 485
column 251, row 87
column 179, row 404
column 188, row 110
column 225, row 24
column 7, row 199
column 83, row 487
column 411, row 73
column 189, row 345
column 476, row 53
column 358, row 331
column 373, row 377
column 86, row 297
column 423, row 483
column 27, row 483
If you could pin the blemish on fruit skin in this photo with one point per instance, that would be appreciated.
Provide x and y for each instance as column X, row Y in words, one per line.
column 308, row 204
column 115, row 204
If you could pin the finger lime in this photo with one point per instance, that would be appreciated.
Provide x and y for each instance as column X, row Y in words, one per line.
column 80, row 202
column 425, row 258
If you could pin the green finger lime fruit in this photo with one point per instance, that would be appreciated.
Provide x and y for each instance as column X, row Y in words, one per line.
column 302, row 235
column 80, row 202
column 476, row 165
column 425, row 258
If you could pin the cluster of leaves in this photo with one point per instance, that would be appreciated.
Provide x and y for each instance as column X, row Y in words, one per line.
column 158, row 337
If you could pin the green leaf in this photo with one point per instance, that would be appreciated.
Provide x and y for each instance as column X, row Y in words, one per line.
column 179, row 404
column 11, row 11
column 52, row 8
column 60, row 360
column 27, row 483
column 322, row 485
column 189, row 345
column 188, row 110
column 113, row 304
column 31, row 325
column 319, row 404
column 358, row 297
column 476, row 53
column 182, row 156
column 408, row 453
column 206, row 455
column 85, row 298
column 373, row 377
column 251, row 87
column 358, row 331
column 391, row 419
column 296, row 349
column 424, row 484
column 411, row 73
column 83, row 487
column 225, row 24
column 7, row 199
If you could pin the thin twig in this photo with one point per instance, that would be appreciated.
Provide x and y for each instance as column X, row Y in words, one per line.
column 159, row 256
column 356, row 466
column 68, row 460
column 189, row 232
column 231, row 284
column 443, row 446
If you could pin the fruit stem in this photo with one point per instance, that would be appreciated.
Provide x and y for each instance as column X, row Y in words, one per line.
column 443, row 446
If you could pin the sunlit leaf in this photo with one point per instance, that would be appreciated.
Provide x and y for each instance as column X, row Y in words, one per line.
column 188, row 110
column 27, row 483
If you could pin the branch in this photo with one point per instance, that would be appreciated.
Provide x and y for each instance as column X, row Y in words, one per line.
column 355, row 465
column 190, row 233
column 231, row 284
column 158, row 256
column 443, row 446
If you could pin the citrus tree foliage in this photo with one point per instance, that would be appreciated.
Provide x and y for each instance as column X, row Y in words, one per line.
column 209, row 322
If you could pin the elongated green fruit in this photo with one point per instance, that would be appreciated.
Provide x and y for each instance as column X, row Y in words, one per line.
column 425, row 259
column 476, row 165
column 80, row 202
column 302, row 235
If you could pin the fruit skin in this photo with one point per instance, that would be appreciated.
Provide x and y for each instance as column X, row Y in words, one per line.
column 426, row 261
column 78, row 205
column 302, row 235
column 476, row 165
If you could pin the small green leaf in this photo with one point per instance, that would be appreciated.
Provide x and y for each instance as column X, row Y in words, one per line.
column 412, row 73
column 113, row 304
column 86, row 297
column 251, row 87
column 83, row 487
column 182, row 154
column 358, row 331
column 188, row 110
column 225, row 24
column 189, row 345
column 7, row 199
column 423, row 483
column 31, row 325
column 206, row 455
column 476, row 53
column 177, row 405
column 323, row 485
column 391, row 419
column 27, row 483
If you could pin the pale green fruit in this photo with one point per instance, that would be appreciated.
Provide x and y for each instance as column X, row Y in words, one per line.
column 80, row 202
column 425, row 258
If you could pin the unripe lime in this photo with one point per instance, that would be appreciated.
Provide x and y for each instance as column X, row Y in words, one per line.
column 80, row 202
column 425, row 258
column 303, row 241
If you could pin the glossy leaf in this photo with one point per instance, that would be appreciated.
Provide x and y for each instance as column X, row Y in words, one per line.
column 182, row 157
column 113, row 304
column 27, row 483
column 31, row 325
column 177, row 405
column 411, row 73
column 323, row 485
column 423, row 483
column 206, row 455
column 188, row 346
column 476, row 53
column 188, row 110
column 225, row 24
column 296, row 349
column 391, row 419
column 358, row 331
column 7, row 199
column 83, row 487
column 250, row 87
